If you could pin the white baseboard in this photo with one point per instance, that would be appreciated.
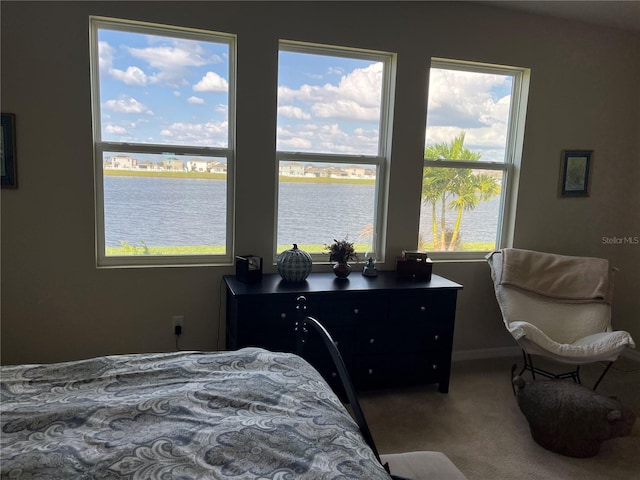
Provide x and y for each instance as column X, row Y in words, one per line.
column 461, row 355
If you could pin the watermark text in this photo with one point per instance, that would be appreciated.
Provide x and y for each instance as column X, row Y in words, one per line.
column 628, row 240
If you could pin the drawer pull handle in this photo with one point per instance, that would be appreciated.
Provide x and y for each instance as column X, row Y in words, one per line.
column 356, row 311
column 423, row 308
column 434, row 366
column 436, row 337
column 370, row 371
column 283, row 315
column 372, row 340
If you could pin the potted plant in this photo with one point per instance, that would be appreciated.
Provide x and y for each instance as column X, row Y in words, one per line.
column 341, row 252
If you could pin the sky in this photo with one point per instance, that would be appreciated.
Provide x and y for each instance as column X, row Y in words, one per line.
column 172, row 91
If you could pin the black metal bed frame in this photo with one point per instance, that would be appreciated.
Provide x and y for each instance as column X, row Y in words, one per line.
column 303, row 325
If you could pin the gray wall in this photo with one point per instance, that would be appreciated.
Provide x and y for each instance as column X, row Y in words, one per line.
column 57, row 306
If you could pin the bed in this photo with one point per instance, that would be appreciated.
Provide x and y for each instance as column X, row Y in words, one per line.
column 250, row 413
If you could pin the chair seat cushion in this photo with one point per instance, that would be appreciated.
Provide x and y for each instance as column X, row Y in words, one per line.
column 422, row 466
column 592, row 348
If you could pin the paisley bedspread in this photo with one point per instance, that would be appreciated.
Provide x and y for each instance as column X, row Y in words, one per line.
column 250, row 414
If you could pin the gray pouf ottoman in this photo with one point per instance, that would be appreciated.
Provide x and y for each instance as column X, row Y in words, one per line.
column 570, row 419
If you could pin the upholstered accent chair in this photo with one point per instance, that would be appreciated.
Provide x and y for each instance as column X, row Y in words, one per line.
column 558, row 307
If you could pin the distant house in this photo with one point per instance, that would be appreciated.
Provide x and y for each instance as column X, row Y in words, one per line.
column 123, row 161
column 335, row 172
column 355, row 171
column 316, row 172
column 292, row 169
column 197, row 165
column 173, row 164
column 146, row 165
column 217, row 167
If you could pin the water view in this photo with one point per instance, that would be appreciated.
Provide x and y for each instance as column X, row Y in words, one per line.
column 175, row 211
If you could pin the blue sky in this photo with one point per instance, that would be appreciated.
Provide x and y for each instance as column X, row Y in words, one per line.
column 170, row 91
column 163, row 90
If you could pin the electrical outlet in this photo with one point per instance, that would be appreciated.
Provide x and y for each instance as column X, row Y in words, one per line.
column 177, row 321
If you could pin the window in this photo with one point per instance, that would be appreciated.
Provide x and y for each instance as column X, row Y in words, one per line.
column 163, row 129
column 332, row 146
column 475, row 125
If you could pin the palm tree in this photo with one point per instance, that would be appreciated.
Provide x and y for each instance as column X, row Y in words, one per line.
column 465, row 188
column 477, row 188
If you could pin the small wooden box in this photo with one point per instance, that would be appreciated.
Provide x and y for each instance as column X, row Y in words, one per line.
column 249, row 268
column 414, row 269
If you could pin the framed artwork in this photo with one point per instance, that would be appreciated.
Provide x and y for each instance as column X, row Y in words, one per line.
column 575, row 173
column 8, row 151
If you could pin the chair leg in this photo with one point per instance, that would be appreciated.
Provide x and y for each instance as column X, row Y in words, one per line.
column 528, row 365
column 602, row 376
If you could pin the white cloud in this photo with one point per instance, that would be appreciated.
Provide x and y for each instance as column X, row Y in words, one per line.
column 169, row 58
column 465, row 101
column 132, row 76
column 195, row 100
column 293, row 112
column 126, row 104
column 171, row 62
column 463, row 98
column 294, row 144
column 210, row 133
column 326, row 138
column 105, row 55
column 363, row 85
column 346, row 109
column 211, row 82
column 357, row 96
column 115, row 130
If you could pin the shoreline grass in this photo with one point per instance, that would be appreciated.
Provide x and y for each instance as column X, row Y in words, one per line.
column 109, row 172
column 134, row 250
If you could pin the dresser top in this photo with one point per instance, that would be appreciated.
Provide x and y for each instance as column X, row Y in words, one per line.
column 327, row 282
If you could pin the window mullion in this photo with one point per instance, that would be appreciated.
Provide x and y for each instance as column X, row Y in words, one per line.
column 466, row 164
column 328, row 158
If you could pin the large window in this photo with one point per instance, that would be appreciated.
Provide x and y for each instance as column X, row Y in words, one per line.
column 475, row 124
column 332, row 146
column 163, row 143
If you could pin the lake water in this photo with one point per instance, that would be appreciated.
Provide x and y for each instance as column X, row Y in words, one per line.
column 176, row 211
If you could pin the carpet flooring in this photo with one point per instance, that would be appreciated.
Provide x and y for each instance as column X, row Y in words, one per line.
column 479, row 426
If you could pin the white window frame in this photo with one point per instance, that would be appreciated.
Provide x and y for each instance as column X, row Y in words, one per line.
column 100, row 146
column 381, row 160
column 510, row 168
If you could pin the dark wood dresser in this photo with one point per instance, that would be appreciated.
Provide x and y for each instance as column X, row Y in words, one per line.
column 389, row 332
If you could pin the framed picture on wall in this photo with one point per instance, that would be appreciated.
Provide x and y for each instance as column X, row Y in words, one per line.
column 8, row 151
column 575, row 173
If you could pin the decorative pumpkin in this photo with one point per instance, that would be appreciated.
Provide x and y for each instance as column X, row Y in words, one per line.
column 294, row 265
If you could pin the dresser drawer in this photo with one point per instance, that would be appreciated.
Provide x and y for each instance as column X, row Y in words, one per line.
column 259, row 314
column 264, row 323
column 374, row 339
column 317, row 354
column 352, row 309
column 376, row 371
